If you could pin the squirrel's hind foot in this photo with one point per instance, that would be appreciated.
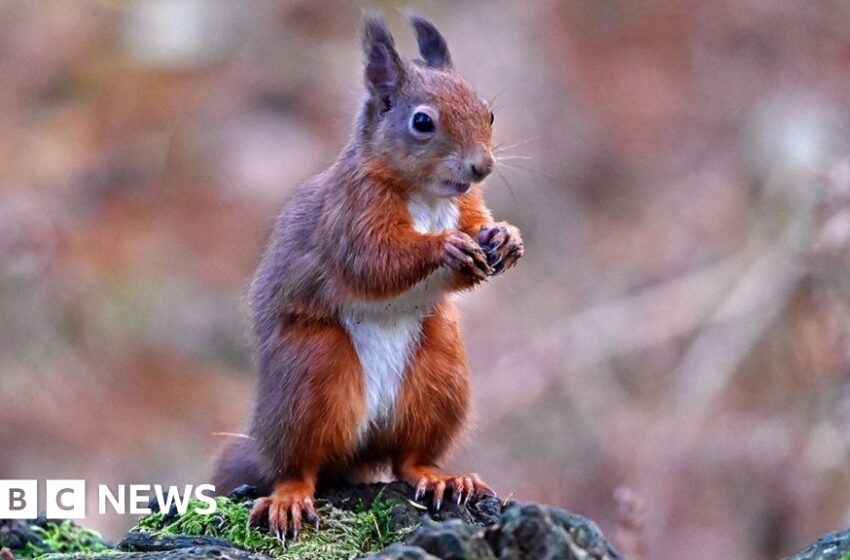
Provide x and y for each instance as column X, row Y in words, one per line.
column 426, row 480
column 284, row 509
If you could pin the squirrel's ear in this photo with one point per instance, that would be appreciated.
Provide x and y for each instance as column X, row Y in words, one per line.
column 384, row 68
column 432, row 45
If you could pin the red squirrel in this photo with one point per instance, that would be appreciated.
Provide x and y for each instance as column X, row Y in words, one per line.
column 362, row 366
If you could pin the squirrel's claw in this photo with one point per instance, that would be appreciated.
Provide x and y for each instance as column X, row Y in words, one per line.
column 462, row 488
column 439, row 492
column 421, row 488
column 295, row 512
column 259, row 511
column 284, row 510
column 502, row 243
column 312, row 516
column 463, row 254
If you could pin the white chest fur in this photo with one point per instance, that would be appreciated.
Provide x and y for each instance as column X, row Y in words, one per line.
column 385, row 332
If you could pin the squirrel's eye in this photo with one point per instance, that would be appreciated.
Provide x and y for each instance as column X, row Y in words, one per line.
column 492, row 118
column 422, row 123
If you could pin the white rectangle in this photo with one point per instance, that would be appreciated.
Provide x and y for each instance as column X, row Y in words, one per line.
column 18, row 499
column 66, row 499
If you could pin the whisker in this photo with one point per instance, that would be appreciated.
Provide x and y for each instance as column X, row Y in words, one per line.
column 501, row 147
column 505, row 158
column 232, row 435
column 492, row 100
column 508, row 185
column 535, row 171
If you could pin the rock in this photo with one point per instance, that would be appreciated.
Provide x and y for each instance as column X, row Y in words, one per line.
column 585, row 533
column 544, row 533
column 356, row 518
column 359, row 496
column 521, row 532
column 486, row 509
column 136, row 541
column 832, row 546
column 403, row 552
column 402, row 516
column 480, row 511
column 15, row 534
column 47, row 536
column 485, row 529
column 195, row 553
column 243, row 493
column 452, row 540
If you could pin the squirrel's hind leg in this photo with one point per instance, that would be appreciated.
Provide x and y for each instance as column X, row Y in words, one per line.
column 310, row 404
column 432, row 409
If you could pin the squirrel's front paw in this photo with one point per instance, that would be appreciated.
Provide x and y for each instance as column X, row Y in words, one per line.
column 502, row 243
column 463, row 254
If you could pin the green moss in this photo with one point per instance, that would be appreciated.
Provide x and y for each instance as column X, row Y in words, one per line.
column 29, row 551
column 343, row 534
column 63, row 538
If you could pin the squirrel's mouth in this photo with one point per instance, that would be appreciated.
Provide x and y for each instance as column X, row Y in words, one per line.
column 457, row 186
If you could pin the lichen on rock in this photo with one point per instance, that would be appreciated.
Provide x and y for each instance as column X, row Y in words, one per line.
column 832, row 546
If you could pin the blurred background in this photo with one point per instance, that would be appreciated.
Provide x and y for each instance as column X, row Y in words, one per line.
column 671, row 357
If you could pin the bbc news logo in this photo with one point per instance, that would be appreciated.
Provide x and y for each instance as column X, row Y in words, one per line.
column 66, row 499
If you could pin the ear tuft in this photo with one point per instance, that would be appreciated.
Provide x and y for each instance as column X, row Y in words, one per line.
column 384, row 68
column 375, row 31
column 432, row 45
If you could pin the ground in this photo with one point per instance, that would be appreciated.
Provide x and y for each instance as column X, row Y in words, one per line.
column 376, row 521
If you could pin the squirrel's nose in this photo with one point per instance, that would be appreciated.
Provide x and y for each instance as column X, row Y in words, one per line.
column 481, row 166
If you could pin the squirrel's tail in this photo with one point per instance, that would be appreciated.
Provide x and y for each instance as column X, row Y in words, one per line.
column 239, row 464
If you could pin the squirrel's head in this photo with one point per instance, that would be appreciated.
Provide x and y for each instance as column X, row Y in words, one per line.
column 425, row 121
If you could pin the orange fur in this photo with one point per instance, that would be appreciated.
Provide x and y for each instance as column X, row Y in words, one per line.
column 473, row 212
column 434, row 401
column 383, row 254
